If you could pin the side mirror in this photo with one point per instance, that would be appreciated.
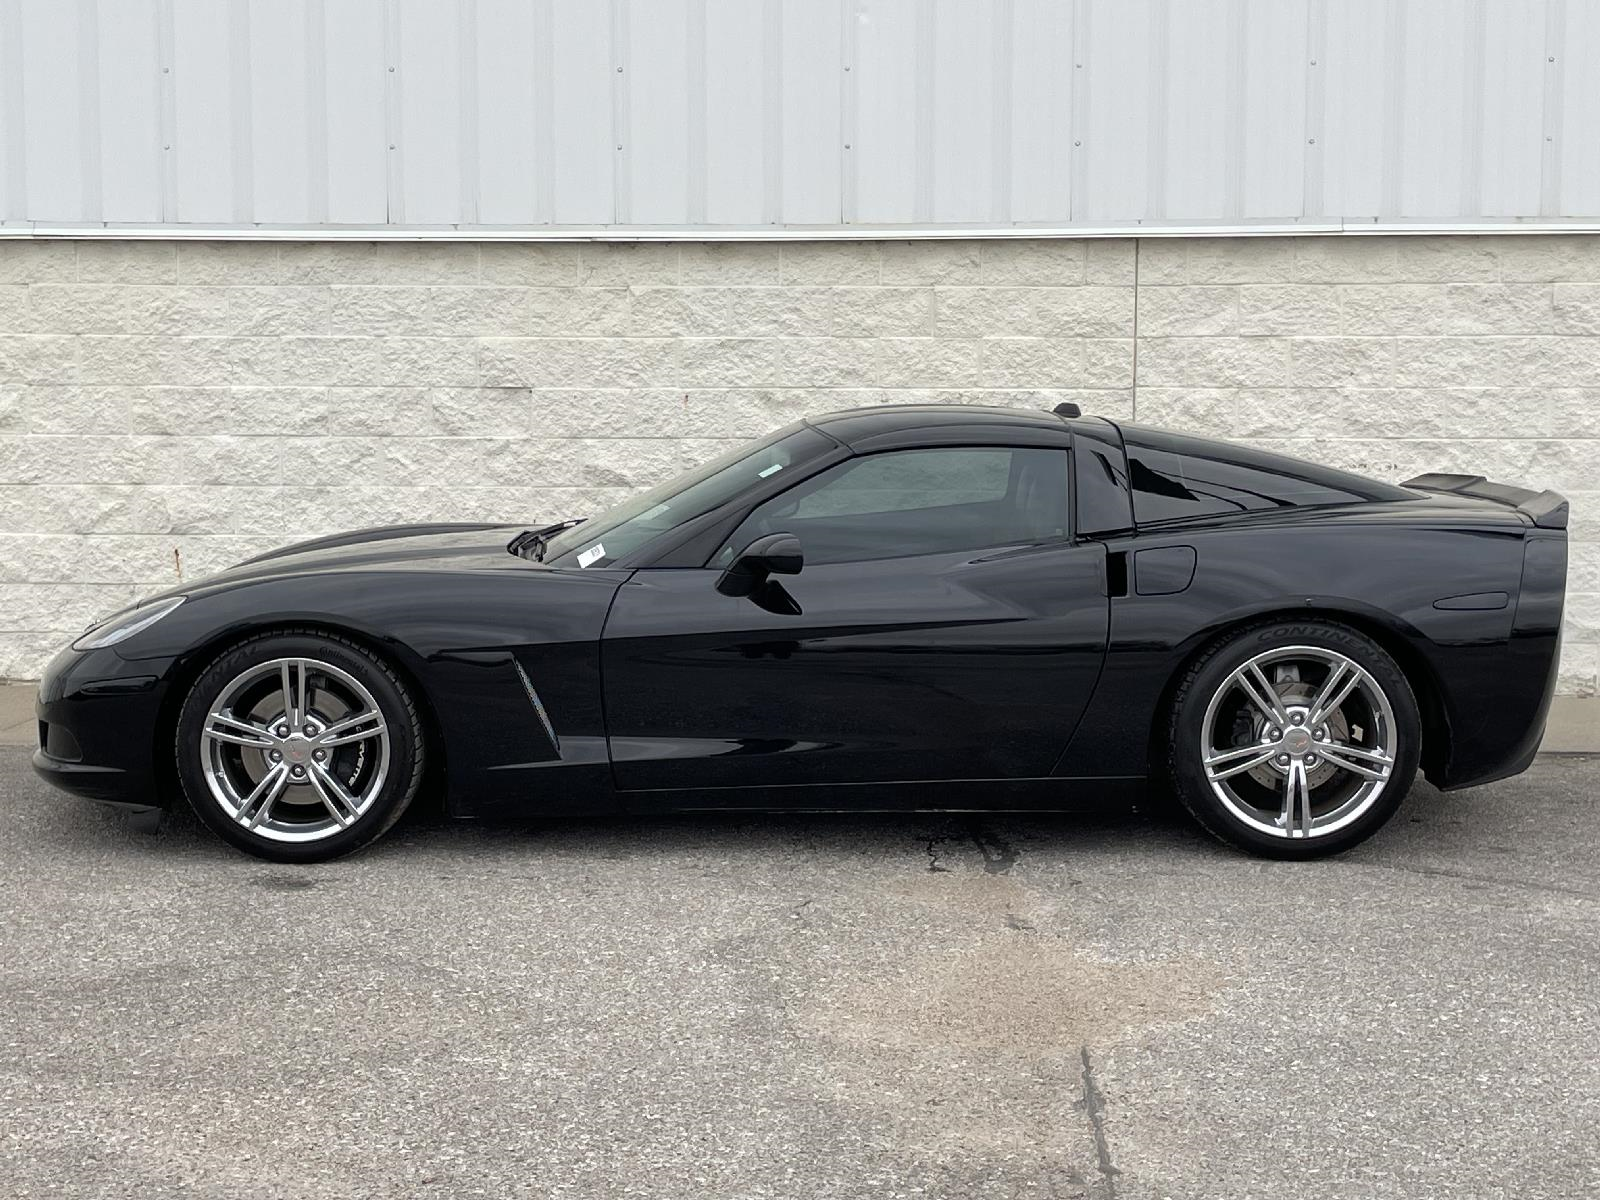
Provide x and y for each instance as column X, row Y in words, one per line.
column 774, row 554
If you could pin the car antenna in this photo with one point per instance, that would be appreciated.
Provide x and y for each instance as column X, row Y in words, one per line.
column 1067, row 409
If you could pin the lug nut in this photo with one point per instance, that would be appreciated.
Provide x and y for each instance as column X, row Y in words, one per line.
column 1283, row 760
column 1311, row 760
column 274, row 756
column 283, row 731
column 1296, row 718
column 311, row 731
column 1274, row 733
column 320, row 755
column 297, row 770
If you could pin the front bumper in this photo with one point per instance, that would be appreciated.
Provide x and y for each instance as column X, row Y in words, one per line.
column 98, row 718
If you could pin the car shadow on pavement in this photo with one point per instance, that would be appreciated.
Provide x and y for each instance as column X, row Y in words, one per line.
column 994, row 842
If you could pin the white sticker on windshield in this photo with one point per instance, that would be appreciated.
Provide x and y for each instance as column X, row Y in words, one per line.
column 772, row 470
column 592, row 555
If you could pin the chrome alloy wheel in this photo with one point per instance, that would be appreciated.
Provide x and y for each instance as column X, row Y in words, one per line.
column 1299, row 741
column 295, row 750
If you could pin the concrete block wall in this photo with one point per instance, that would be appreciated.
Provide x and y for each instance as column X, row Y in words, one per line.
column 168, row 408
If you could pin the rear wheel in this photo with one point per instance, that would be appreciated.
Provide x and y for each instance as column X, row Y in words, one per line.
column 1294, row 740
column 299, row 747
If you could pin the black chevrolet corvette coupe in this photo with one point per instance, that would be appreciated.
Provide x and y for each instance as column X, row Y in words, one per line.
column 891, row 608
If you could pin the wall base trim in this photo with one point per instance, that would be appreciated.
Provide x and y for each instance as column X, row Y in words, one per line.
column 779, row 233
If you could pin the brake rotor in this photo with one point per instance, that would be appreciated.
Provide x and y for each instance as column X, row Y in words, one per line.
column 1291, row 692
column 345, row 762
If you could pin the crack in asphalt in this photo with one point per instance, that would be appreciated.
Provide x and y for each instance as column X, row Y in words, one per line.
column 1094, row 1104
column 998, row 855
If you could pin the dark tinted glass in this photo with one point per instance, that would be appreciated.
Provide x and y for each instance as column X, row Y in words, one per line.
column 619, row 531
column 1176, row 477
column 917, row 502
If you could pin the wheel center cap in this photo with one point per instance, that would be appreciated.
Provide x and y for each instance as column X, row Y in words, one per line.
column 297, row 750
column 1297, row 741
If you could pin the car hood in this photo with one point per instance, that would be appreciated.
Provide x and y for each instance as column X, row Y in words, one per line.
column 436, row 574
column 393, row 548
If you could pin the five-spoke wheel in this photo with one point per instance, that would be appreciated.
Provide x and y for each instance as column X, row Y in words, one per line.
column 295, row 749
column 1294, row 740
column 299, row 746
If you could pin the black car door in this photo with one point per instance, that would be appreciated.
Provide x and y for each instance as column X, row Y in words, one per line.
column 945, row 626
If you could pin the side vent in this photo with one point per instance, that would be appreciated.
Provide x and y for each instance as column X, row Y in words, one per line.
column 538, row 707
column 1117, row 573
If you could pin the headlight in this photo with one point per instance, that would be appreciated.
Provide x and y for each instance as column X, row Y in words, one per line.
column 124, row 625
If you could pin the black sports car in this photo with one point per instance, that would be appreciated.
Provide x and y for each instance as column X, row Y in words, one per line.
column 892, row 608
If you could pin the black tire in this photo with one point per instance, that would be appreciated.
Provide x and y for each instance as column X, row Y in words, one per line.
column 1206, row 683
column 390, row 784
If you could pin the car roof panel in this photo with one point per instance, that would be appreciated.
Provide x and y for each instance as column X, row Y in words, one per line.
column 856, row 427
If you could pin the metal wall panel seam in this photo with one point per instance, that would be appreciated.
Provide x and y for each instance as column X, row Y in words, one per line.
column 1555, row 32
column 467, row 112
column 1157, row 117
column 394, row 132
column 1003, row 92
column 544, row 112
column 1133, row 390
column 1237, row 113
column 925, row 47
column 1351, row 227
column 90, row 165
column 1388, row 135
column 1078, row 160
column 240, row 106
column 1394, row 109
column 621, row 177
column 15, row 108
column 695, row 67
column 1313, row 196
column 166, row 40
column 317, row 110
column 849, row 93
column 1472, row 99
column 772, row 112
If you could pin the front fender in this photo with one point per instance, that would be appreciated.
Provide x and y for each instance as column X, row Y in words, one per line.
column 506, row 662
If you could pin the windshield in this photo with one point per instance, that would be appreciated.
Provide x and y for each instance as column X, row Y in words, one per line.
column 620, row 531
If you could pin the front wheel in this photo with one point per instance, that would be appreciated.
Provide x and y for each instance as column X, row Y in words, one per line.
column 1294, row 740
column 299, row 747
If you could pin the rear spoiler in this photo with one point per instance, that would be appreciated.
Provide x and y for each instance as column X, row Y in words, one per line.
column 1548, row 510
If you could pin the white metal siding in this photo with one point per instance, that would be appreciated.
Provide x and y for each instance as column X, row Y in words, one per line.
column 700, row 115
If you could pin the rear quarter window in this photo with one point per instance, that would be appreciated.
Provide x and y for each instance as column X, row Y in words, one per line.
column 1175, row 478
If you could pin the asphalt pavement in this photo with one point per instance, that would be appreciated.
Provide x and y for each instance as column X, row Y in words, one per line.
column 807, row 1006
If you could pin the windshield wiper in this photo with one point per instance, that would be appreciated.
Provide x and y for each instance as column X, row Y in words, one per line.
column 531, row 543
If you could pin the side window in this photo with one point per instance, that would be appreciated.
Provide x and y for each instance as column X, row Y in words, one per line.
column 911, row 479
column 908, row 502
column 1174, row 478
